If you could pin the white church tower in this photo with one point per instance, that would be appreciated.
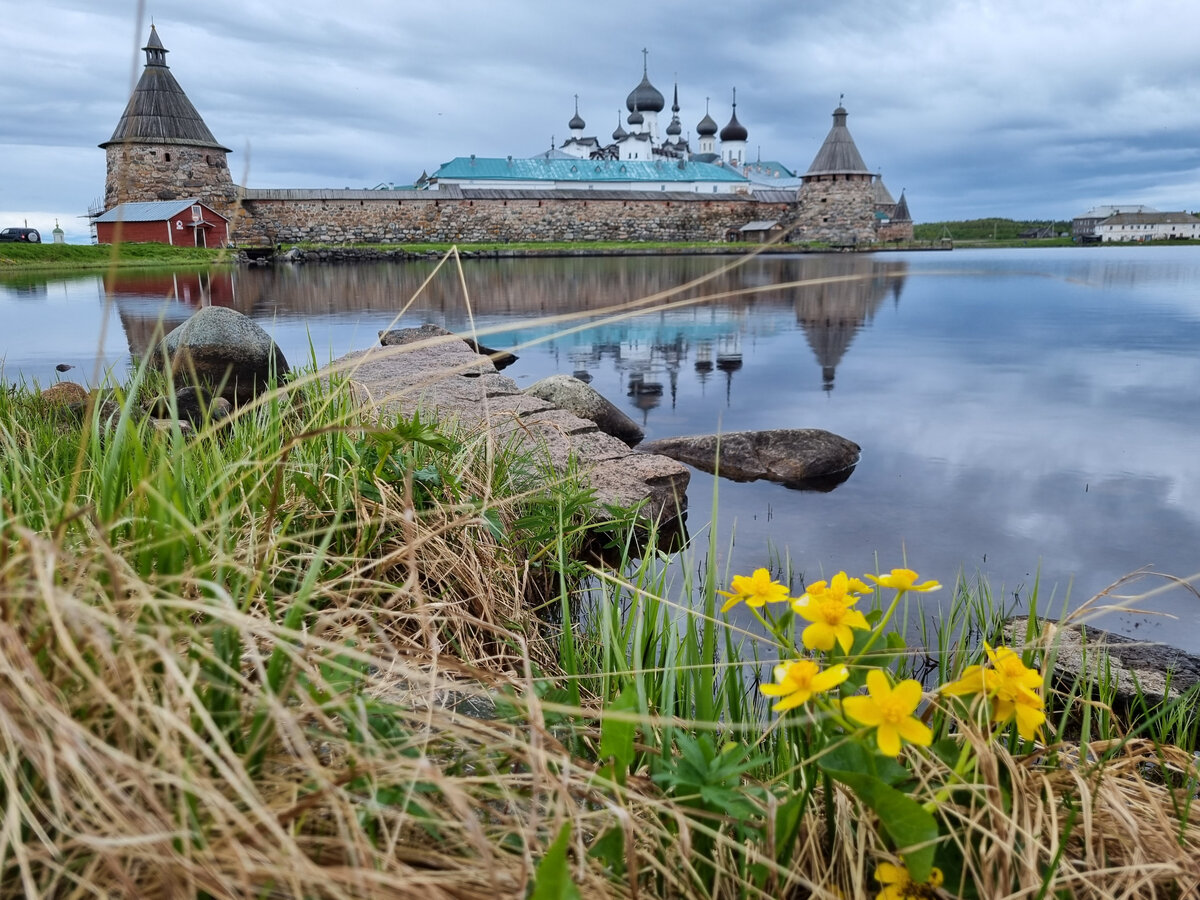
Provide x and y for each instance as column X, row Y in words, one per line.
column 733, row 139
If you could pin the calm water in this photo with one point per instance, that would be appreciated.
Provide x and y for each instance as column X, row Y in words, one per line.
column 1020, row 412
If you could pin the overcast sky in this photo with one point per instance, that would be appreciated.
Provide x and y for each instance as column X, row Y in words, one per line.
column 1021, row 108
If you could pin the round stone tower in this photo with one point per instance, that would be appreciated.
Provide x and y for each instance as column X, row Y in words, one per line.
column 837, row 196
column 161, row 149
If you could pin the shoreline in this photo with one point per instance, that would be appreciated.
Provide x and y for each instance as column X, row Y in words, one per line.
column 23, row 259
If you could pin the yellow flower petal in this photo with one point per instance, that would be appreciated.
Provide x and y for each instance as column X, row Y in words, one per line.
column 915, row 731
column 890, row 873
column 878, row 685
column 888, row 738
column 971, row 682
column 907, row 695
column 863, row 710
column 818, row 636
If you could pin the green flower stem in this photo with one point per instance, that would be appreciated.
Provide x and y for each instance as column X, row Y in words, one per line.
column 878, row 629
column 966, row 763
column 787, row 645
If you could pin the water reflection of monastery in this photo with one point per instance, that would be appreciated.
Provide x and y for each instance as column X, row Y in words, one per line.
column 707, row 342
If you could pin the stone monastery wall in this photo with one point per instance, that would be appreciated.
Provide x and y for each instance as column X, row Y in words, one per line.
column 377, row 217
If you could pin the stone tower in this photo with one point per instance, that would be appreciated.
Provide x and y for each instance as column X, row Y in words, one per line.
column 161, row 149
column 837, row 196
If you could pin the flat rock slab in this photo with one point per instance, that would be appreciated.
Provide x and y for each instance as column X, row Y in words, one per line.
column 434, row 372
column 1158, row 670
column 796, row 457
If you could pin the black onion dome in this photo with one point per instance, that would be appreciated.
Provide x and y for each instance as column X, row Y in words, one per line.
column 576, row 122
column 735, row 130
column 620, row 132
column 707, row 127
column 636, row 118
column 674, row 128
column 645, row 96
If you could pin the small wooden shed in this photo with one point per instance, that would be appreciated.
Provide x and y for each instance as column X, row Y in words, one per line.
column 186, row 223
column 760, row 231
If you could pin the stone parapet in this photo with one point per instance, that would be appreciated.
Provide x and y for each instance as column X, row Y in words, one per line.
column 471, row 221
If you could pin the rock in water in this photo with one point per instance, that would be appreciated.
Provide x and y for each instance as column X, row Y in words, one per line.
column 806, row 458
column 583, row 400
column 220, row 346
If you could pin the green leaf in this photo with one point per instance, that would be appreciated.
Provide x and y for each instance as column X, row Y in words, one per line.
column 552, row 881
column 907, row 823
column 610, row 849
column 616, row 735
column 852, row 756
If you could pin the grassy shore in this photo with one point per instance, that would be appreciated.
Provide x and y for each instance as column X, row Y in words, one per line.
column 310, row 652
column 101, row 256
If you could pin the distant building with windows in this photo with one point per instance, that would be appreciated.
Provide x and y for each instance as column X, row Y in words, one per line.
column 1149, row 226
column 1084, row 227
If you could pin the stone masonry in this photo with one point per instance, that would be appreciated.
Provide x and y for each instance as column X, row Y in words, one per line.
column 141, row 172
column 380, row 218
column 839, row 212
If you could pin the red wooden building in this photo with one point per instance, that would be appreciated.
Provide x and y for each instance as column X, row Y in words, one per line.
column 185, row 223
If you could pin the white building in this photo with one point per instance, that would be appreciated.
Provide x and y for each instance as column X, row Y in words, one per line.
column 1149, row 226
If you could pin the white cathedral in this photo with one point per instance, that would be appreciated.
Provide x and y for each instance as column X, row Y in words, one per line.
column 642, row 140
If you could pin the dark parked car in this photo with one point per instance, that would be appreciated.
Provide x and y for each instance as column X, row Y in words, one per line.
column 24, row 235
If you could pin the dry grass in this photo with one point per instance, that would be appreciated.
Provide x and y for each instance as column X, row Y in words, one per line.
column 333, row 693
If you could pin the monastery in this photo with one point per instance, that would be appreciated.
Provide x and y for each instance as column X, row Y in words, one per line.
column 168, row 177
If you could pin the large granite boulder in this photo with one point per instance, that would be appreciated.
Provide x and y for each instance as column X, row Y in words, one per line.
column 221, row 348
column 806, row 458
column 585, row 401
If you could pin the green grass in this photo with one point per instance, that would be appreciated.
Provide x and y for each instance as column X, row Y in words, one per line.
column 99, row 256
column 309, row 651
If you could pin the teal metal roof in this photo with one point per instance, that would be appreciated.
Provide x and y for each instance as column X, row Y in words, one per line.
column 585, row 170
column 771, row 168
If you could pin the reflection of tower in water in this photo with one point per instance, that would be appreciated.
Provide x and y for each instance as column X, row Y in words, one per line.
column 149, row 304
column 704, row 361
column 831, row 313
column 729, row 359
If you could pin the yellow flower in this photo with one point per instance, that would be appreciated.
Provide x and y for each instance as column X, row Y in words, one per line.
column 839, row 586
column 1027, row 709
column 1012, row 686
column 755, row 589
column 828, row 608
column 889, row 710
column 903, row 580
column 899, row 885
column 1012, row 675
column 798, row 680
